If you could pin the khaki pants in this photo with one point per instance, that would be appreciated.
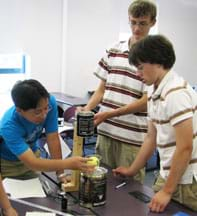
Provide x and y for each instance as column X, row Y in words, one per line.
column 116, row 153
column 17, row 169
column 185, row 194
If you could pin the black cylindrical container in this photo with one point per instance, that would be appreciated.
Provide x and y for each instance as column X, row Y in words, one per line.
column 64, row 201
column 85, row 123
column 92, row 188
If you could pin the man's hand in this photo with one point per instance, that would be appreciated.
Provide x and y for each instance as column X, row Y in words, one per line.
column 64, row 178
column 121, row 171
column 159, row 201
column 100, row 117
column 80, row 109
column 80, row 163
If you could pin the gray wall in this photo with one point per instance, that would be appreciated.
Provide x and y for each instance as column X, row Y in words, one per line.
column 66, row 38
column 177, row 20
column 98, row 23
column 91, row 26
column 34, row 27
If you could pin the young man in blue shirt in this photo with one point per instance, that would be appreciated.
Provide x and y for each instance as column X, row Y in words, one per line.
column 34, row 112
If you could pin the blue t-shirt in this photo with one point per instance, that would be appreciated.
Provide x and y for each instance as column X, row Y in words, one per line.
column 19, row 134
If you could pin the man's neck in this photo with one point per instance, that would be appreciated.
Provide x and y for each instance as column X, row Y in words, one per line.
column 163, row 74
column 133, row 40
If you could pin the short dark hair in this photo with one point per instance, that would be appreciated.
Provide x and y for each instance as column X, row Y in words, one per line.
column 141, row 8
column 153, row 49
column 28, row 93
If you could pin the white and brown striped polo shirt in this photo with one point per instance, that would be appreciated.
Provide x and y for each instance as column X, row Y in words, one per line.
column 123, row 86
column 172, row 102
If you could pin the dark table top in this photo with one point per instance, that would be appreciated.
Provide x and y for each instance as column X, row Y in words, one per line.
column 118, row 201
column 69, row 99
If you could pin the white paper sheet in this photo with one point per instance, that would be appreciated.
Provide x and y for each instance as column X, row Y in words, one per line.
column 23, row 188
column 64, row 147
column 68, row 127
column 39, row 214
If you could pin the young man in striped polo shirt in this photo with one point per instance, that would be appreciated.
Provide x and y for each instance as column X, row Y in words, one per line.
column 122, row 120
column 172, row 125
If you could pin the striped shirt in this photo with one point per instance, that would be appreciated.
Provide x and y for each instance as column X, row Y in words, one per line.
column 122, row 87
column 173, row 101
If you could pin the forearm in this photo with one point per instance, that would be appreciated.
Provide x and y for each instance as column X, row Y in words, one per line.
column 179, row 164
column 55, row 156
column 93, row 102
column 139, row 105
column 55, row 150
column 5, row 203
column 96, row 97
column 127, row 109
column 54, row 143
column 48, row 165
column 146, row 150
column 181, row 156
column 142, row 157
column 42, row 164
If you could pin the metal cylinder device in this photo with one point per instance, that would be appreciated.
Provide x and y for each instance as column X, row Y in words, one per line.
column 85, row 123
column 64, row 201
column 92, row 188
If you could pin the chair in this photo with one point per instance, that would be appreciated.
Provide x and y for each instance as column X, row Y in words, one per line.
column 60, row 111
column 69, row 117
column 69, row 114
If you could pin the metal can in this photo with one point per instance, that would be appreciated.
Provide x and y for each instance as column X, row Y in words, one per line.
column 64, row 201
column 85, row 123
column 92, row 188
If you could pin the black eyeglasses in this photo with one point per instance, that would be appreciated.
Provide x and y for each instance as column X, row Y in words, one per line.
column 39, row 112
column 141, row 24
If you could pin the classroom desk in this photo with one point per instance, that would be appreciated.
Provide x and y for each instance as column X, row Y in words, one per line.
column 119, row 202
column 69, row 99
column 48, row 205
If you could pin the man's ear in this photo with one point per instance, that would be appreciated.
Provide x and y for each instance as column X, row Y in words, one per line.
column 19, row 110
column 153, row 22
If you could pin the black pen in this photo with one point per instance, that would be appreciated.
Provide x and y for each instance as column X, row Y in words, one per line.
column 120, row 185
